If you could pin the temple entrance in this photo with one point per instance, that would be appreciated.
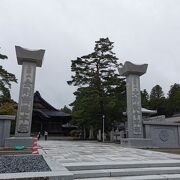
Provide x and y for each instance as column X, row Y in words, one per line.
column 47, row 118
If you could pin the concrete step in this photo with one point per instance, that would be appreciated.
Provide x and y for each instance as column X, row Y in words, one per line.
column 125, row 172
column 146, row 177
column 121, row 165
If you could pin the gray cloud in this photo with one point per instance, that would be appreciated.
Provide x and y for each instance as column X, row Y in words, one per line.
column 143, row 32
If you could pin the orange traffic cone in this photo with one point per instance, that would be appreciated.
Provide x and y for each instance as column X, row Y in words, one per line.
column 35, row 147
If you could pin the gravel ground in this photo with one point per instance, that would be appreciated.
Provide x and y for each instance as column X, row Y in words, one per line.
column 22, row 163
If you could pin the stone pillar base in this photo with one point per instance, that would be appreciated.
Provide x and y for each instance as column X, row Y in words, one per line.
column 27, row 142
column 136, row 142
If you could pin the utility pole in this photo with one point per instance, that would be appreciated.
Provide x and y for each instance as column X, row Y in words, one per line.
column 103, row 125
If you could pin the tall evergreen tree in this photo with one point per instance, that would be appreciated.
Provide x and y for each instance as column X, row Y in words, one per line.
column 156, row 93
column 145, row 98
column 174, row 99
column 96, row 75
column 67, row 110
column 5, row 83
column 157, row 99
column 86, row 108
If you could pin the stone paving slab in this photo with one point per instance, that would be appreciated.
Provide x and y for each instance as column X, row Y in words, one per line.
column 126, row 172
column 57, row 175
column 120, row 165
column 89, row 151
column 151, row 177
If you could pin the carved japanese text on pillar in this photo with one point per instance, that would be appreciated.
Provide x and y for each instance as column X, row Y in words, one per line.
column 136, row 107
column 26, row 100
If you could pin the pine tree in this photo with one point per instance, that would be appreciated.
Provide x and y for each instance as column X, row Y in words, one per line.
column 174, row 99
column 145, row 98
column 96, row 76
column 86, row 111
column 97, row 70
column 157, row 100
column 156, row 93
column 5, row 83
column 67, row 110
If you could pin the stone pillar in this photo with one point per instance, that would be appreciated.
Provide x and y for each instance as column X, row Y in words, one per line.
column 25, row 105
column 134, row 113
column 5, row 127
column 84, row 133
column 91, row 133
column 99, row 135
column 29, row 59
column 112, row 135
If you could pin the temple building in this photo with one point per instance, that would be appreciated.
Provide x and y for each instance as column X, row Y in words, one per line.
column 47, row 118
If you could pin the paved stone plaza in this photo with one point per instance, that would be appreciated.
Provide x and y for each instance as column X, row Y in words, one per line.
column 109, row 161
column 89, row 151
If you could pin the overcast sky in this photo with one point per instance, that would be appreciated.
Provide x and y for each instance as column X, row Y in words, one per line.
column 144, row 31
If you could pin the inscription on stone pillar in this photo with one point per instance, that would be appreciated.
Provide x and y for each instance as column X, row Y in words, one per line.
column 136, row 107
column 26, row 99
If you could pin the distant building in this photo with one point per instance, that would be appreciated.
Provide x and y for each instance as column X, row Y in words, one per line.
column 47, row 118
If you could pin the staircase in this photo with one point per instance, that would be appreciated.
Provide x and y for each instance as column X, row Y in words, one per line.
column 133, row 170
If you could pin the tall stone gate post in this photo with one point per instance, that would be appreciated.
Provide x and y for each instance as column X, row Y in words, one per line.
column 29, row 59
column 134, row 113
